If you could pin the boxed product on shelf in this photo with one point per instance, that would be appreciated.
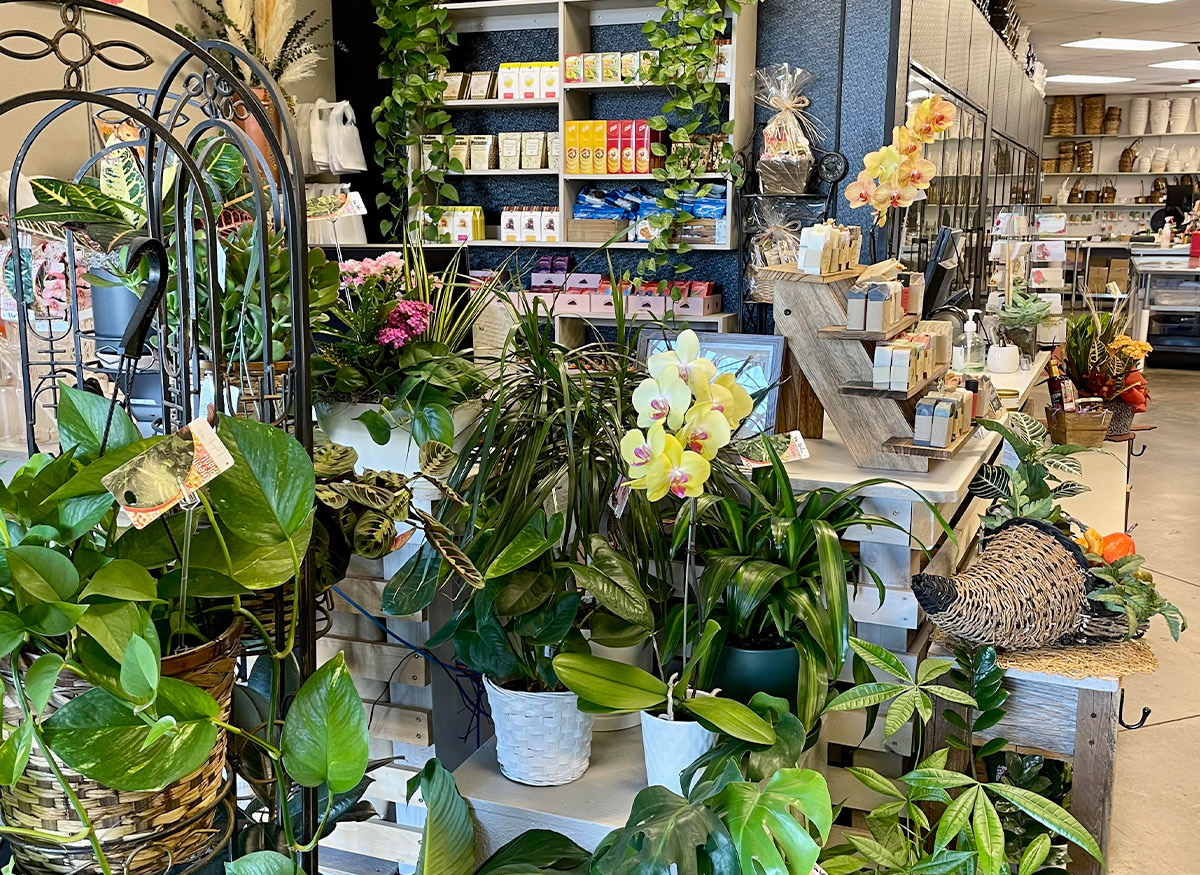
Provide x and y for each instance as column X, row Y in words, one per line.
column 531, row 225
column 630, row 66
column 510, row 150
column 533, row 150
column 573, row 68
column 943, row 340
column 460, row 151
column 591, row 67
column 549, row 80
column 628, row 164
column 613, row 148
column 554, row 150
column 454, row 86
column 462, row 224
column 484, row 155
column 571, row 148
column 482, row 85
column 610, row 67
column 530, row 82
column 509, row 81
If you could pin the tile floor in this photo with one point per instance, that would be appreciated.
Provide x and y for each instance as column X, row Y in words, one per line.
column 1156, row 795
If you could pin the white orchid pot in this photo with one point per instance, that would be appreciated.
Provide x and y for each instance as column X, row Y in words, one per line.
column 670, row 746
column 401, row 453
column 639, row 655
column 542, row 739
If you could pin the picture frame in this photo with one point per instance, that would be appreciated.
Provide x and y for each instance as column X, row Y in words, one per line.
column 756, row 359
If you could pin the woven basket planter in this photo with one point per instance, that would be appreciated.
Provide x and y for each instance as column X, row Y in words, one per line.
column 1085, row 429
column 143, row 833
column 1063, row 116
column 1093, row 113
column 542, row 739
column 1027, row 590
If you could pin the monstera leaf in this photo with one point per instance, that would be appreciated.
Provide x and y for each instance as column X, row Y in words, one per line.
column 666, row 834
column 768, row 836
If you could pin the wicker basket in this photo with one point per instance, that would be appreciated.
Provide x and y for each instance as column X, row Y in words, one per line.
column 542, row 739
column 1027, row 590
column 1083, row 152
column 1085, row 429
column 1112, row 120
column 1093, row 113
column 1063, row 116
column 143, row 832
column 1128, row 156
column 1049, row 165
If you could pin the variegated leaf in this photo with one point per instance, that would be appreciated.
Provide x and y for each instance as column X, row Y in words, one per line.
column 455, row 557
column 333, row 460
column 437, row 459
column 399, row 508
column 373, row 497
column 390, row 479
column 1069, row 490
column 1066, row 464
column 991, row 482
column 331, row 497
column 373, row 535
column 1028, row 429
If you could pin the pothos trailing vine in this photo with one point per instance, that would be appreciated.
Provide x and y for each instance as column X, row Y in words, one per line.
column 417, row 34
column 685, row 36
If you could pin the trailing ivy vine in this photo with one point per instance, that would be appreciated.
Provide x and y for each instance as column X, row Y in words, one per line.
column 685, row 36
column 416, row 36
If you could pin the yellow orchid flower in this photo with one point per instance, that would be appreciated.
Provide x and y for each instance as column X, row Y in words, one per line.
column 905, row 141
column 639, row 450
column 917, row 172
column 893, row 194
column 662, row 399
column 921, row 125
column 739, row 404
column 693, row 370
column 883, row 162
column 680, row 472
column 705, row 430
column 861, row 193
column 939, row 112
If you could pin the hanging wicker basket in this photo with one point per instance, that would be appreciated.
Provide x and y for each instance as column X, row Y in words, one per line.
column 142, row 832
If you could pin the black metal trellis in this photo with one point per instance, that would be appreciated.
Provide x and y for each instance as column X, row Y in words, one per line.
column 200, row 105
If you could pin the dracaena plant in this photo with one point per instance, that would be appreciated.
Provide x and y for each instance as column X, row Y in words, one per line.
column 965, row 831
column 1031, row 489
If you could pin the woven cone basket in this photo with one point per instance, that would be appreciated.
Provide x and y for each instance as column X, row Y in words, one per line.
column 542, row 739
column 142, row 833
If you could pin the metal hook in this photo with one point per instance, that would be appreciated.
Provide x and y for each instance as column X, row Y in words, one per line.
column 1121, row 715
column 1139, row 454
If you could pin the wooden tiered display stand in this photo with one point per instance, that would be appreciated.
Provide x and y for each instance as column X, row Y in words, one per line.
column 830, row 370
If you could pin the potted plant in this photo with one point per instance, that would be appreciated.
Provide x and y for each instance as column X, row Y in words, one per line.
column 670, row 744
column 1020, row 318
column 1030, row 489
column 1104, row 362
column 390, row 372
column 120, row 643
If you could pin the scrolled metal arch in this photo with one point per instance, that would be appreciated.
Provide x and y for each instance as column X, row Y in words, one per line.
column 67, row 100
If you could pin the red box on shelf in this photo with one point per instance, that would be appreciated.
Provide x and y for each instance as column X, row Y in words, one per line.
column 628, row 165
column 613, row 160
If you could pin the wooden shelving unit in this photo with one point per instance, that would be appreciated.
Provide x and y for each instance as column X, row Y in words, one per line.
column 574, row 21
column 837, row 332
column 867, row 390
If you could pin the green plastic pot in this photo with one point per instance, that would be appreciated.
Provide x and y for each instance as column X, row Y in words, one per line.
column 741, row 672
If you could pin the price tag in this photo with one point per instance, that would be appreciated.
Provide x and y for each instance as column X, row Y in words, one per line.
column 160, row 478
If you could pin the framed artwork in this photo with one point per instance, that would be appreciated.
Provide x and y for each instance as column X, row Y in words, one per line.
column 755, row 359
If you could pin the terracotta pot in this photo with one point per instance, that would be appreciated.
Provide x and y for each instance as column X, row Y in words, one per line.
column 249, row 124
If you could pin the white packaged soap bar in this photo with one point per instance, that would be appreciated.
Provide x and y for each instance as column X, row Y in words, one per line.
column 878, row 297
column 943, row 418
column 881, row 371
column 856, row 309
column 923, row 424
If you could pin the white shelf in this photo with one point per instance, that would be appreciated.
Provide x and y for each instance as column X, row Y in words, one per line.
column 1131, row 175
column 495, row 171
column 502, row 103
column 1121, row 136
column 618, row 86
column 567, row 244
column 710, row 177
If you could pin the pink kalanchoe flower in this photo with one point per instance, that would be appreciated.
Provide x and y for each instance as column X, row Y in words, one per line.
column 409, row 320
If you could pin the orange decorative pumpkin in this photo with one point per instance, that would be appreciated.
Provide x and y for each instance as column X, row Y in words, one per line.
column 1118, row 545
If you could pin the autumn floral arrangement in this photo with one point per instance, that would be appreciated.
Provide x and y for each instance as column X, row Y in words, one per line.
column 1106, row 363
column 898, row 175
column 395, row 341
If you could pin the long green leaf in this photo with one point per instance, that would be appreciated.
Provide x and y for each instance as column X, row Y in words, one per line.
column 880, row 658
column 448, row 838
column 989, row 835
column 1050, row 815
column 732, row 718
column 863, row 696
column 955, row 817
column 609, row 683
column 834, row 587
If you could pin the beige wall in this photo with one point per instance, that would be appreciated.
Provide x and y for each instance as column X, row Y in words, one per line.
column 62, row 148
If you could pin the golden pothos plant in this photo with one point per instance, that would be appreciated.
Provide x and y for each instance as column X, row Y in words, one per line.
column 685, row 36
column 416, row 36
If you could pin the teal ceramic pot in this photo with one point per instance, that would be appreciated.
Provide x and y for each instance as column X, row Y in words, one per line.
column 741, row 672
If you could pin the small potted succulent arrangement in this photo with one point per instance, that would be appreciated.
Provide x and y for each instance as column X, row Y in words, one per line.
column 1020, row 317
column 390, row 371
column 1105, row 363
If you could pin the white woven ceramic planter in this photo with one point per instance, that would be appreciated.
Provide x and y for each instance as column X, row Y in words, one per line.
column 670, row 746
column 542, row 739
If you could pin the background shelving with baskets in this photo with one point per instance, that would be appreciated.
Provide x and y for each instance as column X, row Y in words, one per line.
column 1098, row 140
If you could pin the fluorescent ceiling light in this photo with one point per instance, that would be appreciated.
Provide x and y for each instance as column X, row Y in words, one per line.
column 1178, row 65
column 1089, row 80
column 1123, row 45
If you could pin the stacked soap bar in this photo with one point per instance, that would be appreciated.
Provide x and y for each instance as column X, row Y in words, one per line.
column 902, row 363
column 829, row 248
column 942, row 418
column 875, row 306
column 943, row 339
